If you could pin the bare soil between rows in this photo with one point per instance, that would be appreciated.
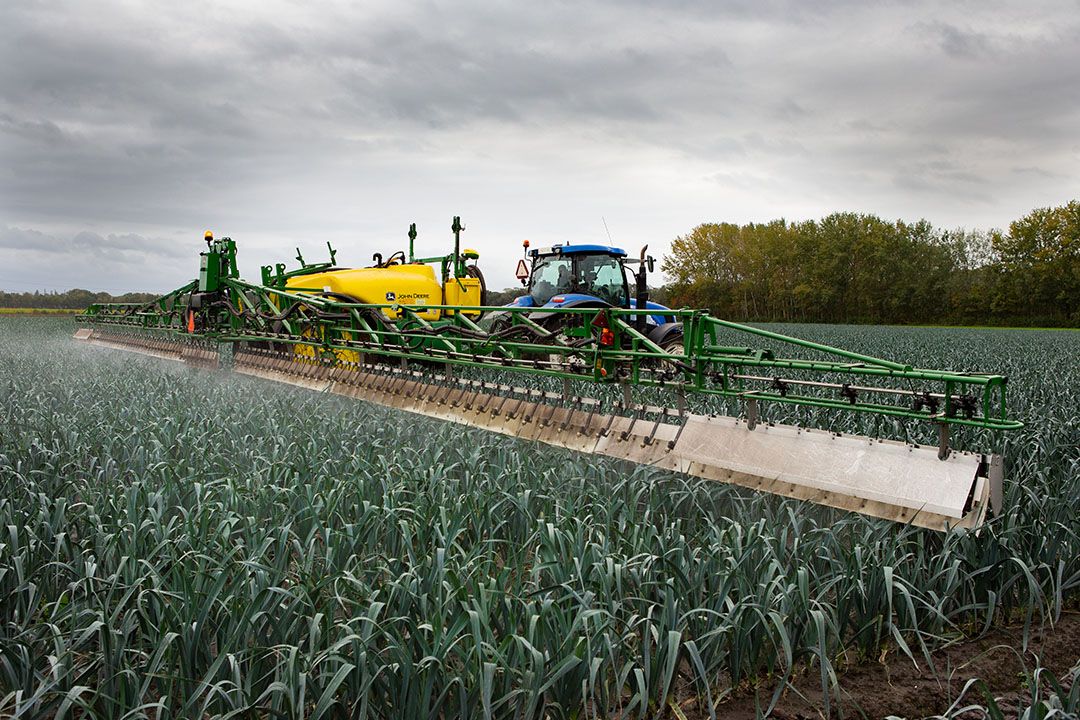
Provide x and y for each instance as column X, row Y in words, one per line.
column 895, row 686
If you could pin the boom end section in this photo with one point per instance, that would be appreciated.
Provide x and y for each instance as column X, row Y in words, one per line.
column 163, row 348
column 881, row 478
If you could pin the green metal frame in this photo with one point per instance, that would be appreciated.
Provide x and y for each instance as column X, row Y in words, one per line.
column 234, row 312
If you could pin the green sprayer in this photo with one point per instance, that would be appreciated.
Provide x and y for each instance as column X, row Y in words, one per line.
column 584, row 360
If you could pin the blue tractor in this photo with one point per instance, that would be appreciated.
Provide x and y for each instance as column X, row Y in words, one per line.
column 592, row 276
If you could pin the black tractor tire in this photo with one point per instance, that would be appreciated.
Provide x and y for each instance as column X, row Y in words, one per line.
column 673, row 345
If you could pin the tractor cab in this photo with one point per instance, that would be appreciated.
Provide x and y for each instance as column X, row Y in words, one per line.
column 578, row 272
column 567, row 276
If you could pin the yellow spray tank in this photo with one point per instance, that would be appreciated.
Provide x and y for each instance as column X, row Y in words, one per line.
column 412, row 284
column 401, row 281
column 396, row 281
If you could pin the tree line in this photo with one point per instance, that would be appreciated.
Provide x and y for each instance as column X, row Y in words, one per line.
column 76, row 299
column 844, row 268
column 858, row 268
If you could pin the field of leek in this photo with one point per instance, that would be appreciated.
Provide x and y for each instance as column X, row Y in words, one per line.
column 177, row 543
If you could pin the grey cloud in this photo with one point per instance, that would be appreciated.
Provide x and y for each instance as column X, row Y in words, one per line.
column 20, row 239
column 788, row 109
column 1038, row 172
column 115, row 262
column 957, row 42
column 87, row 242
column 349, row 121
column 864, row 125
column 740, row 180
column 939, row 173
column 443, row 84
column 34, row 131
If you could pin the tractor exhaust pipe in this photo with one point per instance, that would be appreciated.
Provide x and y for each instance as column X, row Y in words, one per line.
column 642, row 294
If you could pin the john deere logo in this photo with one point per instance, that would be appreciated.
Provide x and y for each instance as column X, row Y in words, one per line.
column 390, row 297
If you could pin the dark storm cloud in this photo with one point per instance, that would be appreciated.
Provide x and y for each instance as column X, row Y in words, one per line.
column 346, row 121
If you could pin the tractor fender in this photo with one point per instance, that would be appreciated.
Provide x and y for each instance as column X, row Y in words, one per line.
column 662, row 333
column 656, row 316
column 585, row 302
column 500, row 319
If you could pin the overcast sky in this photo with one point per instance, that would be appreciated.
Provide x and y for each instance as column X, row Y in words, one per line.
column 129, row 128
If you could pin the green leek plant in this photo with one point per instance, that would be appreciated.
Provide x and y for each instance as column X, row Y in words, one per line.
column 178, row 543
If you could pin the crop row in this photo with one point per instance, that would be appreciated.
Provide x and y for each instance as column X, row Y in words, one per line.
column 188, row 544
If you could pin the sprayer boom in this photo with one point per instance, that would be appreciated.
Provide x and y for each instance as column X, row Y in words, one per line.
column 694, row 394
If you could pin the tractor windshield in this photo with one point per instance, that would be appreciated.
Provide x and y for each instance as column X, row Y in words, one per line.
column 598, row 275
column 551, row 275
column 602, row 276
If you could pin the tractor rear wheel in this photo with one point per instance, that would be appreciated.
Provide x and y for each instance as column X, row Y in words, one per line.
column 672, row 345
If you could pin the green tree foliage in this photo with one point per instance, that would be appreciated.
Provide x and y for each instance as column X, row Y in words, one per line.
column 76, row 299
column 852, row 268
column 504, row 296
column 1038, row 268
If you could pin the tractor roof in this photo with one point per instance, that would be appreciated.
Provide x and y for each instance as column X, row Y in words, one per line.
column 579, row 249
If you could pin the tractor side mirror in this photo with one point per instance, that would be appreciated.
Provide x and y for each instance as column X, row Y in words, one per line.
column 652, row 263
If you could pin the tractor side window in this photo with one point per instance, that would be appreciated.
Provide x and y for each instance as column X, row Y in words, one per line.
column 550, row 276
column 602, row 276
